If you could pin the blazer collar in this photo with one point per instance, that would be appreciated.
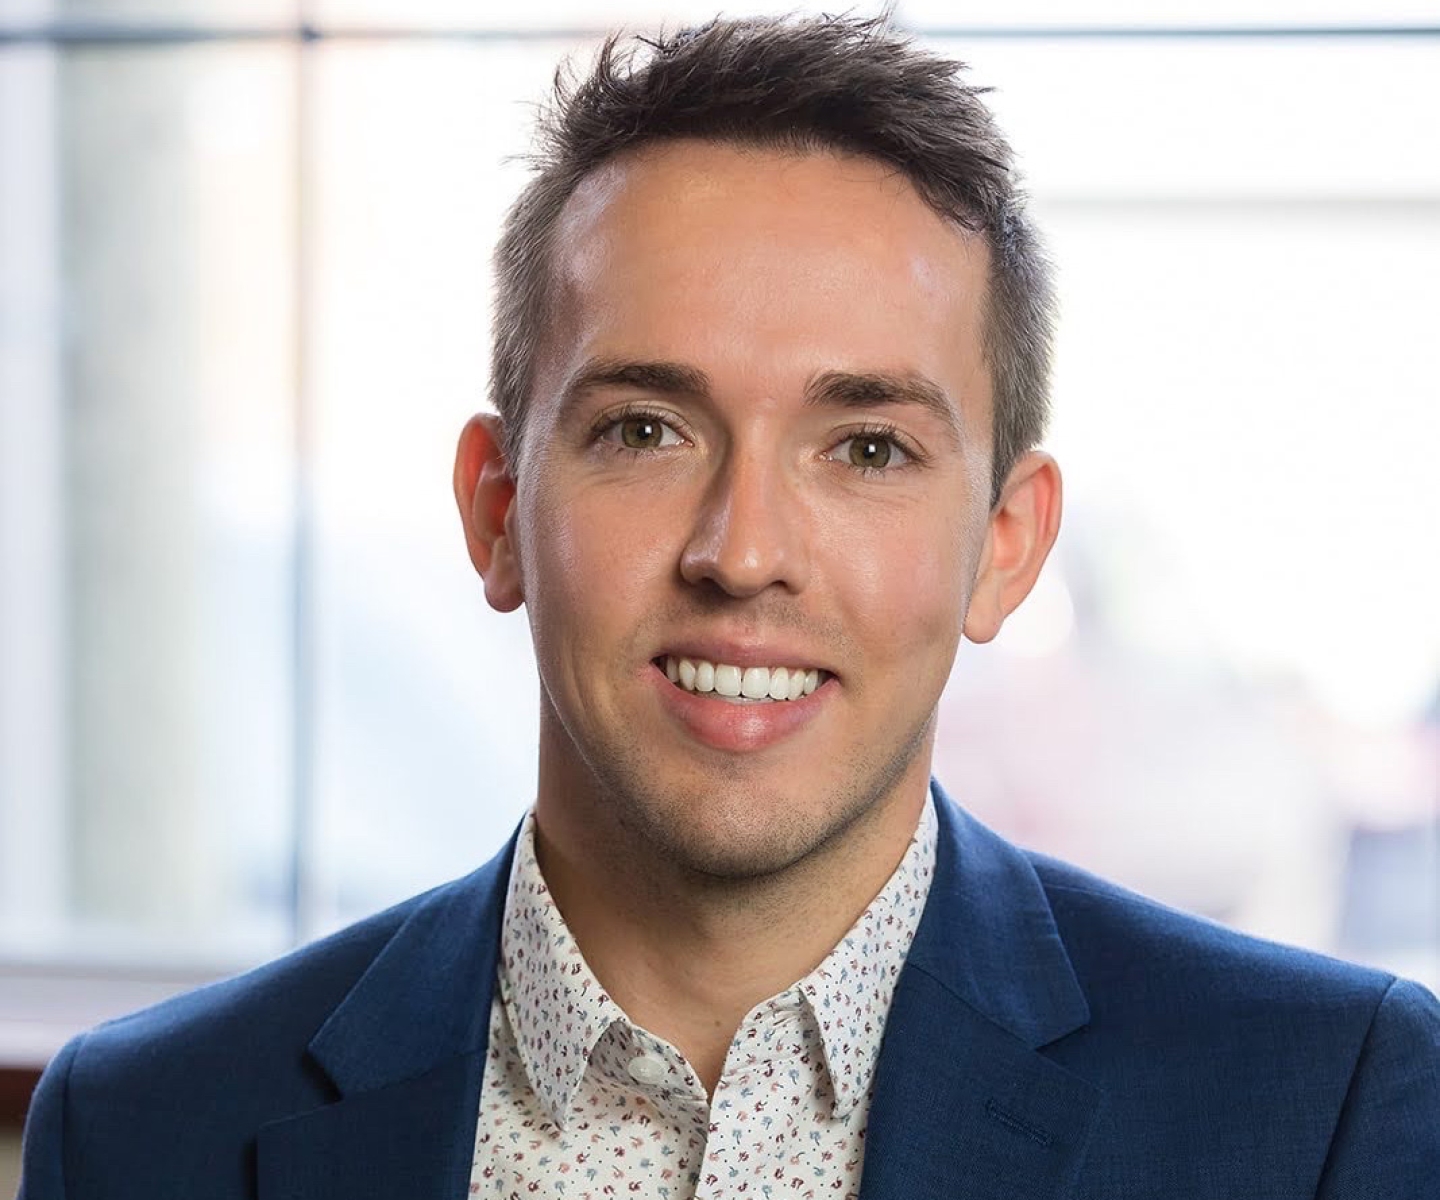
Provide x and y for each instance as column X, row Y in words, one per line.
column 989, row 936
column 406, row 1051
column 427, row 994
column 965, row 1104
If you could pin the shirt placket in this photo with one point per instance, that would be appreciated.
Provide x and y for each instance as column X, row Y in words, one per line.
column 668, row 1115
column 764, row 1094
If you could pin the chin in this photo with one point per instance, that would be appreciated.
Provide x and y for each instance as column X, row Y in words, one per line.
column 737, row 832
column 743, row 819
column 761, row 855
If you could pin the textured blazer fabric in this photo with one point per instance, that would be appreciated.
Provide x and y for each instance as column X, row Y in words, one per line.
column 1051, row 1036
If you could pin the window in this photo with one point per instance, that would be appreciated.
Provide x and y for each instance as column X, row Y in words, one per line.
column 249, row 689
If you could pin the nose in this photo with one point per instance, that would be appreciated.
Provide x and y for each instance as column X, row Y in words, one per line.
column 749, row 533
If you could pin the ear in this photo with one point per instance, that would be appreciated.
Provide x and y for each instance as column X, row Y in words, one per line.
column 1023, row 526
column 485, row 494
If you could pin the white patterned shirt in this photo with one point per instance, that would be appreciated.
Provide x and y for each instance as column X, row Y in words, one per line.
column 579, row 1103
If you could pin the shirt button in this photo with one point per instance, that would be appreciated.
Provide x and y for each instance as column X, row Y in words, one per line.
column 648, row 1069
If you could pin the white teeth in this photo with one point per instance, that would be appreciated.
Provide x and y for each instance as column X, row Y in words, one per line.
column 755, row 683
column 727, row 680
column 751, row 683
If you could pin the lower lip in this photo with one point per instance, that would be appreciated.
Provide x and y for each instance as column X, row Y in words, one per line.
column 737, row 728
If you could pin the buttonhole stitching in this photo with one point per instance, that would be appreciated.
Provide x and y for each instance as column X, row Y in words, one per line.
column 1034, row 1133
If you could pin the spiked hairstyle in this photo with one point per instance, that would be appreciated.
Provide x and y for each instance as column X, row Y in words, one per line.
column 851, row 86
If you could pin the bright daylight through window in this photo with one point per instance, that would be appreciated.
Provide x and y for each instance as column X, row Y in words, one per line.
column 249, row 690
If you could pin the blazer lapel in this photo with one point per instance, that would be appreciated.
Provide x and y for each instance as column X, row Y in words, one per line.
column 964, row 1107
column 413, row 1138
column 405, row 1050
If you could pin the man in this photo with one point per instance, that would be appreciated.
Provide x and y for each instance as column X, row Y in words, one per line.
column 770, row 367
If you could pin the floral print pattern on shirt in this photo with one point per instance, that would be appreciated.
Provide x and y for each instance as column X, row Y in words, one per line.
column 579, row 1103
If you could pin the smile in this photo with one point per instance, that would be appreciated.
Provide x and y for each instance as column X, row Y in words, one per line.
column 729, row 682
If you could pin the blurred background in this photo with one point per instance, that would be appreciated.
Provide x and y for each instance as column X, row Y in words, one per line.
column 249, row 687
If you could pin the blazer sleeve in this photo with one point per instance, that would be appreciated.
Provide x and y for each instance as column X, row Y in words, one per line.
column 1387, row 1141
column 42, row 1164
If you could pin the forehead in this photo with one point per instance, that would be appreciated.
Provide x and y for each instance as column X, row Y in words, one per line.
column 769, row 265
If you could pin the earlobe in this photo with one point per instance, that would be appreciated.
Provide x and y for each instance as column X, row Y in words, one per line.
column 1022, row 529
column 485, row 495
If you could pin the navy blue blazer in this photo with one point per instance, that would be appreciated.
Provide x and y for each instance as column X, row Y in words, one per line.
column 1051, row 1036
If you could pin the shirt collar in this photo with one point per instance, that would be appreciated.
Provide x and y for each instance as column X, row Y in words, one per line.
column 558, row 1009
column 849, row 993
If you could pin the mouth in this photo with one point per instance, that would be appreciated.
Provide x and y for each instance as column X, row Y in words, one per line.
column 741, row 685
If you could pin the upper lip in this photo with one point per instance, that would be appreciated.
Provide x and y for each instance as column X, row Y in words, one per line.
column 743, row 654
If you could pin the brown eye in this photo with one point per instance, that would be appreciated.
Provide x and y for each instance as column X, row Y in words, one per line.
column 868, row 450
column 643, row 433
column 640, row 433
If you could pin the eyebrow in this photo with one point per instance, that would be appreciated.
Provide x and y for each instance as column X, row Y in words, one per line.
column 665, row 378
column 846, row 389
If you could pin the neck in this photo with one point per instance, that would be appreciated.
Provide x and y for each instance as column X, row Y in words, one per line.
column 688, row 956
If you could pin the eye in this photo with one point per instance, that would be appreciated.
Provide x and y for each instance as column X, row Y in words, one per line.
column 872, row 451
column 640, row 431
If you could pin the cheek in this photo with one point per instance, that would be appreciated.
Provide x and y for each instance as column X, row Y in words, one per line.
column 911, row 582
column 589, row 555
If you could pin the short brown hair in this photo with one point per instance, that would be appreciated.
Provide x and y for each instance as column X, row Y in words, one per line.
column 825, row 83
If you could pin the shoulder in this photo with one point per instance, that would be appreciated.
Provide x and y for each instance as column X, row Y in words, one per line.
column 1128, row 949
column 1181, row 981
column 214, row 1063
column 1224, row 1064
column 167, row 1093
column 252, row 1030
column 1294, row 1064
column 1198, row 1000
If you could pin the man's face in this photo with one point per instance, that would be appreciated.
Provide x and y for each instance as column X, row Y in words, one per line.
column 759, row 438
